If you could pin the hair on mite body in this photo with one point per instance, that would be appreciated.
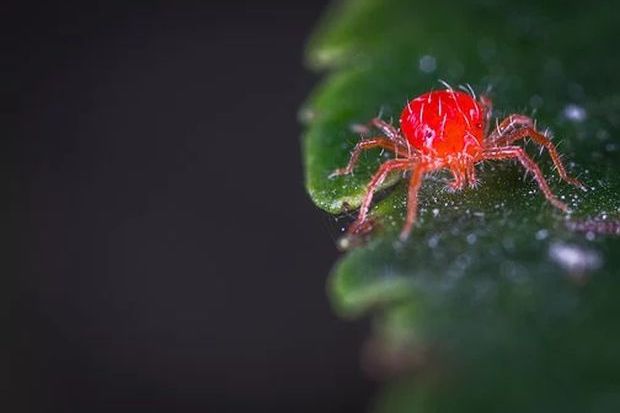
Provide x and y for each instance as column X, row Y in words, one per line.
column 449, row 130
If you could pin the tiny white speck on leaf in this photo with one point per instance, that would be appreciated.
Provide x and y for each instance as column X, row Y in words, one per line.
column 433, row 241
column 575, row 259
column 574, row 113
column 428, row 64
column 542, row 234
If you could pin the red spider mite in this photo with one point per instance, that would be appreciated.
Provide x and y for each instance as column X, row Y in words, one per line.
column 449, row 129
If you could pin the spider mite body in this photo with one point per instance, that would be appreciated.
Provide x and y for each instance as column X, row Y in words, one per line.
column 443, row 124
column 449, row 129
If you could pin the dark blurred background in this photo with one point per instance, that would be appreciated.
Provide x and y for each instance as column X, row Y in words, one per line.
column 167, row 256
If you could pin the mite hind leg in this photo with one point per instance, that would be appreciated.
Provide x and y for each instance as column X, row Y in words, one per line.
column 364, row 145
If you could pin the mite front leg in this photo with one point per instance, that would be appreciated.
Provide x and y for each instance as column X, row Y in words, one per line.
column 373, row 185
column 458, row 182
column 528, row 131
column 510, row 123
column 365, row 145
column 517, row 152
column 471, row 176
column 463, row 173
column 412, row 201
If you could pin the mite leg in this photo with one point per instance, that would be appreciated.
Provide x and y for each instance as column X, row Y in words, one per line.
column 393, row 134
column 415, row 182
column 386, row 128
column 463, row 173
column 487, row 106
column 365, row 145
column 459, row 180
column 522, row 127
column 471, row 176
column 373, row 185
column 508, row 125
column 517, row 152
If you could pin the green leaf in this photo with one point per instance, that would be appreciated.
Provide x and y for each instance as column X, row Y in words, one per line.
column 505, row 303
